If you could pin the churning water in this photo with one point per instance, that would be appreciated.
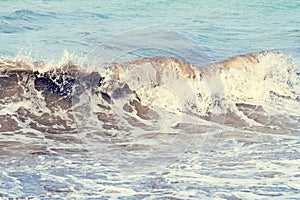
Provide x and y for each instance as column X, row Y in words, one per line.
column 149, row 100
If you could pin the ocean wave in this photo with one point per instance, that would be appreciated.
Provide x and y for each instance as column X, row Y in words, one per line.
column 146, row 91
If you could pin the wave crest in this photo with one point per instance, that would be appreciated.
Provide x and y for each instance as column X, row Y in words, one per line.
column 146, row 91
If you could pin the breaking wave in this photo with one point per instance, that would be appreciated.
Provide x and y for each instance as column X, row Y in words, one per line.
column 149, row 98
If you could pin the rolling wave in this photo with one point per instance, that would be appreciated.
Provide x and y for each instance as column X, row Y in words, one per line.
column 145, row 104
column 256, row 91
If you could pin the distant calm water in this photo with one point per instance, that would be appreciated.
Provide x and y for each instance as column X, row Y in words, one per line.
column 225, row 28
column 229, row 130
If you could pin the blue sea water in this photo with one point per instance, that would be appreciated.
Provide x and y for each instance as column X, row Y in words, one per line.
column 246, row 165
column 225, row 28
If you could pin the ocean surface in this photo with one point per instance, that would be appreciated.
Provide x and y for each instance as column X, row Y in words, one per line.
column 150, row 99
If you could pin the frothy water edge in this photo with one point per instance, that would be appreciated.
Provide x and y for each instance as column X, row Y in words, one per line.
column 247, row 123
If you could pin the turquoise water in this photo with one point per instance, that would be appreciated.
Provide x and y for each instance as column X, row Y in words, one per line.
column 225, row 28
column 196, row 159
